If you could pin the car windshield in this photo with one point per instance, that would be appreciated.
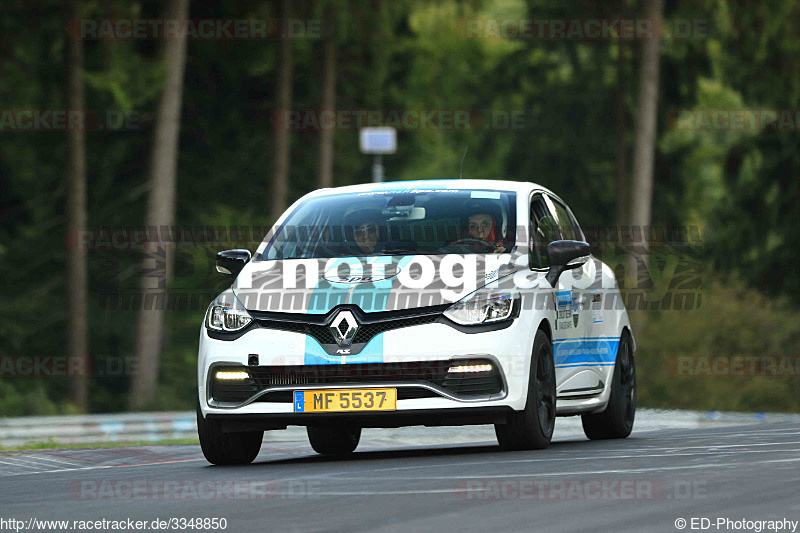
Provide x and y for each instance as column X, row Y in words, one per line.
column 398, row 222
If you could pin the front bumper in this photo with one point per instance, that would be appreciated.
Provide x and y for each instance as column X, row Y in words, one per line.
column 412, row 379
column 458, row 416
column 435, row 344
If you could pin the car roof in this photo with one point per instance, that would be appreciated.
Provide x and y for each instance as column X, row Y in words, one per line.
column 433, row 184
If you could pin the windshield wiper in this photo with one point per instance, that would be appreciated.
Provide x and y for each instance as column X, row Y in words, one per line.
column 399, row 251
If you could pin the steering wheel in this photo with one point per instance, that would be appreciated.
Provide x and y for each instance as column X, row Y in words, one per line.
column 489, row 247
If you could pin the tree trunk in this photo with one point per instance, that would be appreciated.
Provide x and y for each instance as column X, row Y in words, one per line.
column 280, row 159
column 620, row 128
column 645, row 138
column 157, row 264
column 76, row 270
column 326, row 136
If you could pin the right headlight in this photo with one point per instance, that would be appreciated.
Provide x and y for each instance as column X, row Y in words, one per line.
column 226, row 313
column 483, row 306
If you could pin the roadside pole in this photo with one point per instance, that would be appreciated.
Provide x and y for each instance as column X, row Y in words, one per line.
column 378, row 141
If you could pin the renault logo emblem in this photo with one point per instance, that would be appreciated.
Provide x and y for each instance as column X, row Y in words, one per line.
column 344, row 327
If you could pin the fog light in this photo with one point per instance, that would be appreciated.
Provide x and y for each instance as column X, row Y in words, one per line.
column 232, row 375
column 470, row 368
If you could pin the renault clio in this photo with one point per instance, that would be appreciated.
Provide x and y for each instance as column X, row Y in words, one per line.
column 442, row 302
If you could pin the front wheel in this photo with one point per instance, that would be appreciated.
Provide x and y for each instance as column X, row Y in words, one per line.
column 532, row 428
column 616, row 421
column 221, row 448
column 334, row 441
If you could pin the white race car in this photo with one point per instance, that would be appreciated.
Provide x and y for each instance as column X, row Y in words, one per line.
column 442, row 302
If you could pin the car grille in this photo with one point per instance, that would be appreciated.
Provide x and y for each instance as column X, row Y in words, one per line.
column 367, row 331
column 428, row 372
column 323, row 334
column 370, row 324
column 320, row 333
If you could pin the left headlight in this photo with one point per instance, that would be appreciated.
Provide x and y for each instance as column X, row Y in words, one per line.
column 226, row 313
column 484, row 306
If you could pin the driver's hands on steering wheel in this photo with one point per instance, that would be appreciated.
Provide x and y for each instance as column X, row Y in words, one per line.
column 488, row 246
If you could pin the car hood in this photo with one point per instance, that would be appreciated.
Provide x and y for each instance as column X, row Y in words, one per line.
column 381, row 283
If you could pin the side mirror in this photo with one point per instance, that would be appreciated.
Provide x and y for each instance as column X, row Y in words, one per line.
column 562, row 255
column 231, row 262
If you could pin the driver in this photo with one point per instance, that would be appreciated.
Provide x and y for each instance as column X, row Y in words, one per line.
column 483, row 226
column 363, row 229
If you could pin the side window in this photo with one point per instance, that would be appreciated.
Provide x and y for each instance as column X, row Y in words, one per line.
column 574, row 222
column 570, row 230
column 544, row 230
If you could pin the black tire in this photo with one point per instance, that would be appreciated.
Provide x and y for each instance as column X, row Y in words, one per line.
column 334, row 441
column 227, row 448
column 532, row 428
column 616, row 421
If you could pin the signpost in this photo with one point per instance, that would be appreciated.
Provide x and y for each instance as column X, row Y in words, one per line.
column 378, row 141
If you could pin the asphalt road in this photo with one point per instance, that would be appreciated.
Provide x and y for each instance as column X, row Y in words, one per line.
column 643, row 483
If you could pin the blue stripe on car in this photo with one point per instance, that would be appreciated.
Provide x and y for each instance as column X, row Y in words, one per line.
column 585, row 351
column 370, row 297
column 315, row 355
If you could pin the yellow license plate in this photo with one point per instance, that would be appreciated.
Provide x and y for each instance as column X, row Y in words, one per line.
column 344, row 400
